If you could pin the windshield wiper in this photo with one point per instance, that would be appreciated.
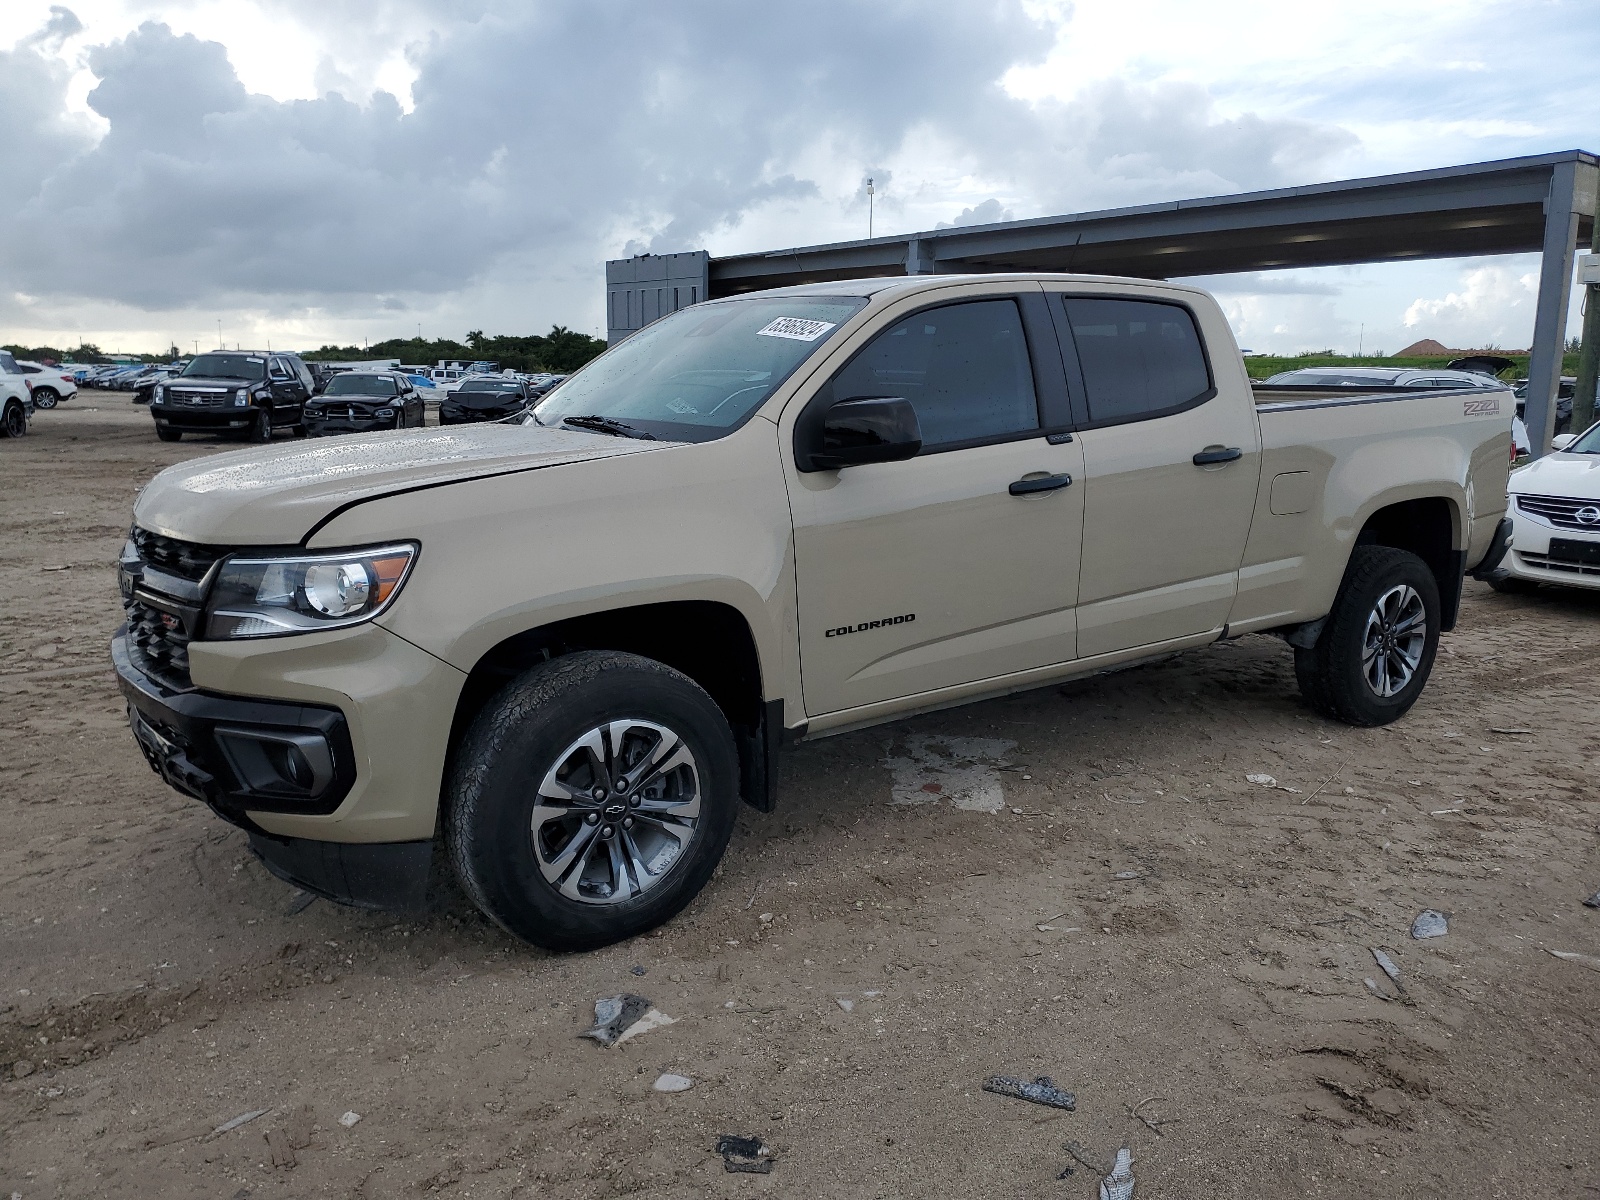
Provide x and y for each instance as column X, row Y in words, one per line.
column 609, row 425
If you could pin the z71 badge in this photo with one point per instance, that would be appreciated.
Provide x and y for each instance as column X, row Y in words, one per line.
column 1480, row 407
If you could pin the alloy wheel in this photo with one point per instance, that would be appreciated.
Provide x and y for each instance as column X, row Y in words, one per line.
column 1393, row 641
column 616, row 811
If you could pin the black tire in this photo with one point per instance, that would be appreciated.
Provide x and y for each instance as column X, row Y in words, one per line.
column 1512, row 585
column 169, row 435
column 261, row 430
column 14, row 421
column 523, row 736
column 299, row 430
column 45, row 398
column 1333, row 674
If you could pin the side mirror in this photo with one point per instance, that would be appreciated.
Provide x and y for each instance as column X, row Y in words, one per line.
column 873, row 429
column 1562, row 440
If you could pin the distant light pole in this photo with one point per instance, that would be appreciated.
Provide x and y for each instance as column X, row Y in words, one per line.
column 870, row 194
column 1361, row 339
column 220, row 346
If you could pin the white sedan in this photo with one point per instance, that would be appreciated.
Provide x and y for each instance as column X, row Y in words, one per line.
column 1555, row 518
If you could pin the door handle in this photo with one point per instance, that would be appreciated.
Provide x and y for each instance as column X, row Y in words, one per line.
column 1046, row 483
column 1217, row 454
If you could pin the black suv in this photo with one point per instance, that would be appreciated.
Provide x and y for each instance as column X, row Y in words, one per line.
column 242, row 393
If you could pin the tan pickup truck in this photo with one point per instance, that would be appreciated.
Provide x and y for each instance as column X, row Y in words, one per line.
column 561, row 653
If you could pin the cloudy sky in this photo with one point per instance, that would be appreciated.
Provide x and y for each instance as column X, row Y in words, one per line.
column 306, row 170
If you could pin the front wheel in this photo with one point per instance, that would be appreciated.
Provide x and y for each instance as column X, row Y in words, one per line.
column 591, row 799
column 45, row 397
column 261, row 430
column 1376, row 651
column 169, row 435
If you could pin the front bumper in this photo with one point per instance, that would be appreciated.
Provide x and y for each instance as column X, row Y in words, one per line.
column 317, row 426
column 218, row 419
column 238, row 756
column 229, row 752
column 1543, row 553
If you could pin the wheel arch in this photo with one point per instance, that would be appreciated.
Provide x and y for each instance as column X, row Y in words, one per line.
column 1432, row 527
column 709, row 641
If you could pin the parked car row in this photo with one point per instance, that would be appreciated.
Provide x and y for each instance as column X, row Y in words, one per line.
column 48, row 386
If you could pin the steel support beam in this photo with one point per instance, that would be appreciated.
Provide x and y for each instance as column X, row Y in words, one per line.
column 1561, row 215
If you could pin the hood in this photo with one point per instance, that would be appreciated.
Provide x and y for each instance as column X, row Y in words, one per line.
column 275, row 495
column 1576, row 476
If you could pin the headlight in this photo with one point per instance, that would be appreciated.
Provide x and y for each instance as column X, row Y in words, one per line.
column 385, row 412
column 242, row 396
column 264, row 597
column 160, row 394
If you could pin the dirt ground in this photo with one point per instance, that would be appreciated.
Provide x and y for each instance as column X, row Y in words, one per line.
column 1079, row 883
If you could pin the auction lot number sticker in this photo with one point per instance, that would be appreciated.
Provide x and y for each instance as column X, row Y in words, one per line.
column 796, row 329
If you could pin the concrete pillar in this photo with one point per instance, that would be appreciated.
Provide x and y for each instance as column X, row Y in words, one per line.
column 1562, row 208
column 919, row 258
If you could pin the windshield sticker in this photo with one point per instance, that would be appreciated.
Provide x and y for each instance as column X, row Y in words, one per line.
column 796, row 329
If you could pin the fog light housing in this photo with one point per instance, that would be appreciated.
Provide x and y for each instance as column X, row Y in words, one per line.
column 289, row 765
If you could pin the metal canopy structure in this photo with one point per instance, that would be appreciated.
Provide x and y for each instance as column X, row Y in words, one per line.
column 1543, row 203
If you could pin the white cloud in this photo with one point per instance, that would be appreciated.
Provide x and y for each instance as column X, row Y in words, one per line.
column 1494, row 306
column 178, row 159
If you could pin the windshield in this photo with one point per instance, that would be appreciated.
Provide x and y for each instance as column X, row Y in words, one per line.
column 489, row 385
column 360, row 385
column 698, row 373
column 1311, row 378
column 1587, row 442
column 228, row 366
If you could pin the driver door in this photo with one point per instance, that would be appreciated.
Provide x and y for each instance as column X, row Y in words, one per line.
column 959, row 564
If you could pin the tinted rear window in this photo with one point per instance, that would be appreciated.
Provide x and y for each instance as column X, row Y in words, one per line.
column 1139, row 358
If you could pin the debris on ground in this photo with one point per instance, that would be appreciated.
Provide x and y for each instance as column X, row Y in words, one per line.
column 1389, row 969
column 847, row 1005
column 1119, row 1184
column 21, row 1069
column 1087, row 1159
column 1372, row 986
column 618, row 1018
column 1269, row 781
column 1593, row 901
column 744, row 1156
column 1127, row 875
column 1511, row 731
column 1430, row 924
column 350, row 1120
column 1154, row 1124
column 1042, row 1090
column 636, row 970
column 293, row 1134
column 241, row 1119
column 668, row 1082
column 1583, row 960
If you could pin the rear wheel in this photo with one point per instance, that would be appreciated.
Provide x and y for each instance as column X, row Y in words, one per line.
column 13, row 422
column 45, row 397
column 169, row 435
column 591, row 799
column 1376, row 651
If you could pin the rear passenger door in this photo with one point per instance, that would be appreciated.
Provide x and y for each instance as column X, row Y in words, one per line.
column 1171, row 466
column 931, row 573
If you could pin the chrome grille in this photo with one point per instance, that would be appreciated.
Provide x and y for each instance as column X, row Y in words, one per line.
column 1546, row 563
column 1562, row 512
